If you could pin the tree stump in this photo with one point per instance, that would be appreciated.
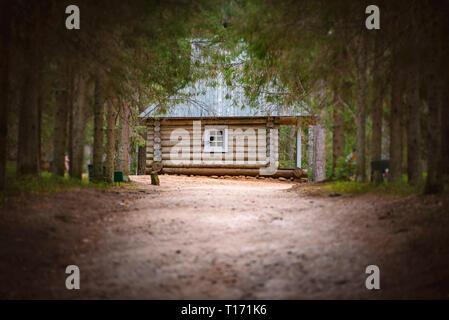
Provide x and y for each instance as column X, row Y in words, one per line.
column 155, row 179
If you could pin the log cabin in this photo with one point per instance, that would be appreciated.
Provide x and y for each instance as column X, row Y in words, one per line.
column 212, row 135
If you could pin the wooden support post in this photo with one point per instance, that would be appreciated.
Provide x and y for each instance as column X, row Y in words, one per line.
column 298, row 146
column 157, row 153
column 310, row 151
column 269, row 127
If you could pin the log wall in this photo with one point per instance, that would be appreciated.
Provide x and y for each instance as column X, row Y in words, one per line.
column 177, row 143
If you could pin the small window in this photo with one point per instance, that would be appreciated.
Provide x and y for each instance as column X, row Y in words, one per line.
column 215, row 139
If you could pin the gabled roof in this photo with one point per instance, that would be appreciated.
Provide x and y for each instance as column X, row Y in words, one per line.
column 206, row 101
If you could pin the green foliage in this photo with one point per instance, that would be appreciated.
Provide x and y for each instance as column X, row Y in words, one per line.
column 343, row 169
column 287, row 147
column 287, row 163
column 328, row 169
column 351, row 187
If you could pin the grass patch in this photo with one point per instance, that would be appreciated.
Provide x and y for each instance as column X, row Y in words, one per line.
column 399, row 189
column 45, row 183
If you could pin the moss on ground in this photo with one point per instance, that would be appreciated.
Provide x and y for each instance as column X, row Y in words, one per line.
column 399, row 189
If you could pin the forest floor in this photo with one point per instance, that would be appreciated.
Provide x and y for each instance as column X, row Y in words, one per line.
column 232, row 238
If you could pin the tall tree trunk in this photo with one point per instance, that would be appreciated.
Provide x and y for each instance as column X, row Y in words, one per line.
column 98, row 129
column 123, row 143
column 376, row 137
column 434, row 182
column 377, row 110
column 4, row 86
column 79, row 125
column 319, row 152
column 414, row 168
column 445, row 111
column 27, row 157
column 445, row 131
column 61, row 120
column 395, row 169
column 71, row 110
column 40, row 105
column 111, row 118
column 142, row 154
column 361, row 112
column 338, row 134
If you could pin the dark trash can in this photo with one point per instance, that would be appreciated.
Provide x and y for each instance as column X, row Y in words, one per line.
column 118, row 176
column 90, row 168
column 380, row 166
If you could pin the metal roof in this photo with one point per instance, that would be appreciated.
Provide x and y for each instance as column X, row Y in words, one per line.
column 205, row 100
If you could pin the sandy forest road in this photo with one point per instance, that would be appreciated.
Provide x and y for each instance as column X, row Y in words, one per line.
column 213, row 238
column 204, row 238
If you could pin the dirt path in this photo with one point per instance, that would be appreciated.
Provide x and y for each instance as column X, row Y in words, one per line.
column 205, row 238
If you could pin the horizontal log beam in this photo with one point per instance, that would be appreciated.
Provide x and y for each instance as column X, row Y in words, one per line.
column 210, row 164
column 231, row 126
column 238, row 157
column 228, row 172
column 216, row 121
column 239, row 149
column 237, row 120
column 168, row 144
column 169, row 135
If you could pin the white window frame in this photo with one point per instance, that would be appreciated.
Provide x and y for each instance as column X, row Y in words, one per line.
column 208, row 147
